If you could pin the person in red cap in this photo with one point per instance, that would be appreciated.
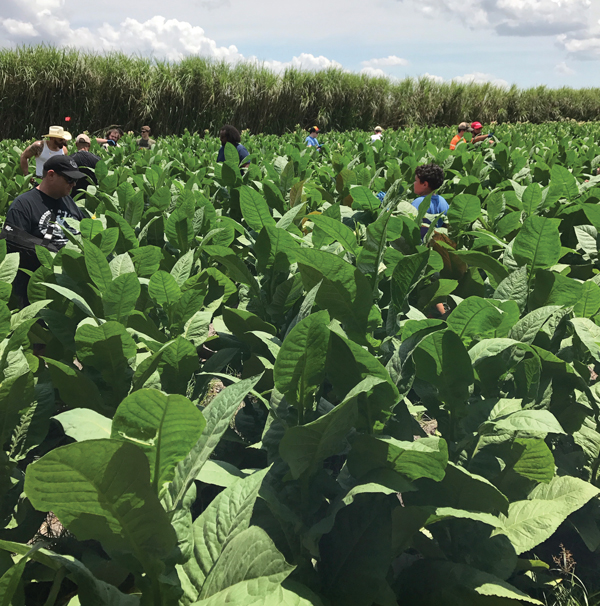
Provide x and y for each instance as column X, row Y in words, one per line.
column 477, row 136
column 311, row 140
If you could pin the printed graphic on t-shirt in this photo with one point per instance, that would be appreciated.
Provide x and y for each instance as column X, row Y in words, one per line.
column 56, row 233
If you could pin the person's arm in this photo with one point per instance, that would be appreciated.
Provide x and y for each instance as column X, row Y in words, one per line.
column 479, row 138
column 33, row 151
column 15, row 217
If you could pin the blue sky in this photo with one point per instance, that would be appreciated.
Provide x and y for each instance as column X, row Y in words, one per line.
column 523, row 42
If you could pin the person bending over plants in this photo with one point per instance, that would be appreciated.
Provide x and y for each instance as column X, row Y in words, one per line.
column 463, row 128
column 230, row 134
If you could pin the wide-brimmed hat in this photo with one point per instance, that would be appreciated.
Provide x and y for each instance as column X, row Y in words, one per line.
column 58, row 132
column 378, row 129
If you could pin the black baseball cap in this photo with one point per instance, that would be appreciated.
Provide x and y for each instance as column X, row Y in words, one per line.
column 63, row 165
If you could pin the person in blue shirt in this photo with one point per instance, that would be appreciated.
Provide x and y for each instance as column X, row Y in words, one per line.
column 428, row 178
column 230, row 134
column 311, row 140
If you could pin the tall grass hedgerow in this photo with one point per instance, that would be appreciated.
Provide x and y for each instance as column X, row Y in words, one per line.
column 40, row 85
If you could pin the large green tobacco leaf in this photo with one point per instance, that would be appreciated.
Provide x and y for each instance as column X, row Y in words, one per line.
column 464, row 209
column 120, row 297
column 97, row 266
column 107, row 349
column 424, row 458
column 75, row 388
column 163, row 288
column 165, row 427
column 276, row 248
column 588, row 303
column 474, row 258
column 537, row 244
column 475, row 318
column 251, row 554
column 514, row 288
column 335, row 230
column 236, row 267
column 459, row 489
column 261, row 592
column 345, row 291
column 442, row 359
column 84, row 424
column 431, row 582
column 16, row 393
column 255, row 210
column 347, row 365
column 589, row 334
column 218, row 416
column 527, row 328
column 509, row 416
column 226, row 517
column 407, row 273
column 91, row 591
column 356, row 554
column 300, row 366
column 534, row 520
column 100, row 489
column 305, row 446
column 562, row 185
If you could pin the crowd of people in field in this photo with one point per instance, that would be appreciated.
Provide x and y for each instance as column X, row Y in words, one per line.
column 37, row 217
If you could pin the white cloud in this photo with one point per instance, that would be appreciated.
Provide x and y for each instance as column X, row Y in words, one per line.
column 515, row 17
column 437, row 79
column 18, row 28
column 391, row 61
column 584, row 46
column 476, row 77
column 374, row 72
column 563, row 69
column 481, row 78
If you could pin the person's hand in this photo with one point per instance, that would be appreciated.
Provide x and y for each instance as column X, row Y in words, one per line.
column 111, row 142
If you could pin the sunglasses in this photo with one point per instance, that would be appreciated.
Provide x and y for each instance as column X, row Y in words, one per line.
column 69, row 180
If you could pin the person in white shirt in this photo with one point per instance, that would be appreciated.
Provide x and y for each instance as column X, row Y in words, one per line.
column 378, row 134
column 52, row 144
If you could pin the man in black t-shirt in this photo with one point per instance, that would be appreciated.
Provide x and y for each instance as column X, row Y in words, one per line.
column 42, row 210
column 85, row 160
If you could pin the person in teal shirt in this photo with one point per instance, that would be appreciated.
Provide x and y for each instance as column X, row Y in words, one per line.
column 429, row 178
column 311, row 140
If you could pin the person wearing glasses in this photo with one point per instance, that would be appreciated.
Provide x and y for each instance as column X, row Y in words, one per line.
column 41, row 213
column 145, row 141
column 52, row 144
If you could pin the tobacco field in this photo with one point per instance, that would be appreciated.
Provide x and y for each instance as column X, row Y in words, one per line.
column 245, row 395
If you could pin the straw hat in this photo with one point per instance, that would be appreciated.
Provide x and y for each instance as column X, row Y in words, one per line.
column 58, row 132
column 378, row 129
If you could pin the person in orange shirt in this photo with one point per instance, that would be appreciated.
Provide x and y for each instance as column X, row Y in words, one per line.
column 463, row 127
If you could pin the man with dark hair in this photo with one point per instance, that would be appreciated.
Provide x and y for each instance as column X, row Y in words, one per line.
column 311, row 140
column 145, row 140
column 35, row 217
column 428, row 178
column 463, row 128
column 113, row 134
column 230, row 134
column 85, row 160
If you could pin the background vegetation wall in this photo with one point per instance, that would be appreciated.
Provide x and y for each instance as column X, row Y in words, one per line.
column 42, row 85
